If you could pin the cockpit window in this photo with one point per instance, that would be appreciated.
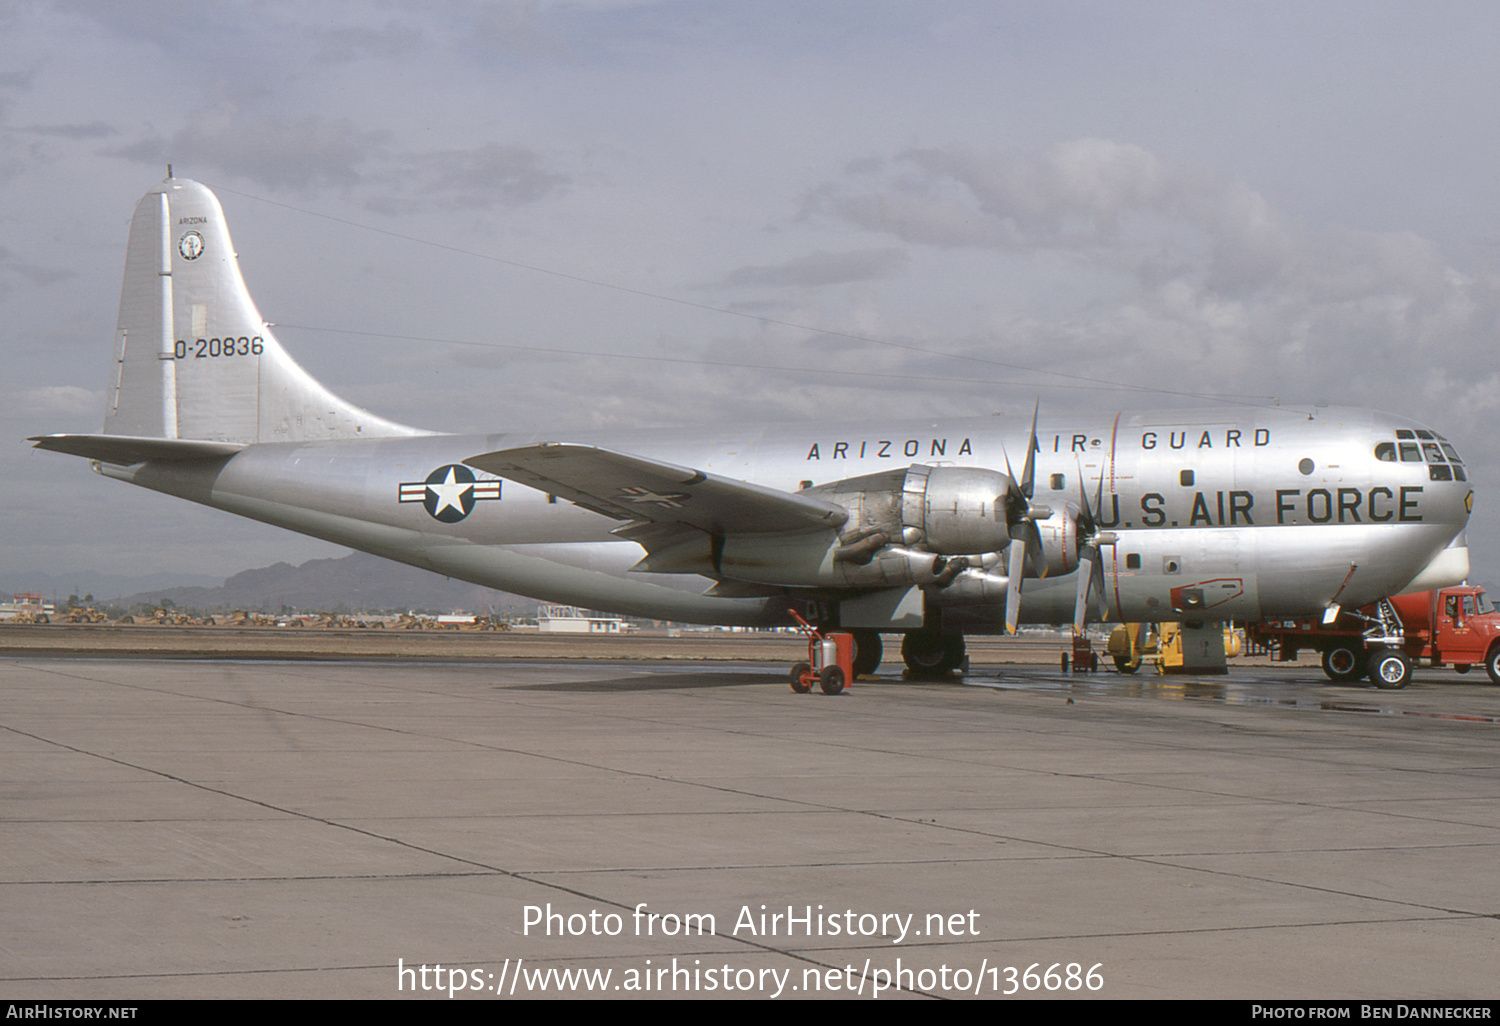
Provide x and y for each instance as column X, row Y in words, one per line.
column 1417, row 445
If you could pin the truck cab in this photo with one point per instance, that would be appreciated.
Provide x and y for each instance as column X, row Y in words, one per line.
column 1452, row 626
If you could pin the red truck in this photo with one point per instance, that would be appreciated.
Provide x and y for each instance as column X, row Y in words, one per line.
column 1450, row 627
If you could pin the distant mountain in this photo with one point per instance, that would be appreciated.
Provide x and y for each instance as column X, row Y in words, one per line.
column 354, row 583
column 104, row 587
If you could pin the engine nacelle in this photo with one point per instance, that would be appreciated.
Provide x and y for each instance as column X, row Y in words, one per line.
column 947, row 510
column 1059, row 535
column 922, row 526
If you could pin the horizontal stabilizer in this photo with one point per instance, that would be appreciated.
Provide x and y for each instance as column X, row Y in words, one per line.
column 634, row 488
column 127, row 449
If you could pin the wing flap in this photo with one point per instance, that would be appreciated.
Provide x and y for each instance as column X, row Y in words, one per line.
column 635, row 488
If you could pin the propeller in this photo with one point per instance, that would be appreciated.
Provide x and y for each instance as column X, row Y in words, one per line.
column 1026, row 540
column 1022, row 518
column 1090, row 562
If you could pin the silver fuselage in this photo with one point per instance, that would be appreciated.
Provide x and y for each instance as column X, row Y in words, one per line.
column 1267, row 513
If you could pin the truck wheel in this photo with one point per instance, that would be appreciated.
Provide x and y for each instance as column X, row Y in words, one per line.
column 1492, row 664
column 1390, row 669
column 1343, row 662
column 799, row 685
column 1124, row 665
column 832, row 681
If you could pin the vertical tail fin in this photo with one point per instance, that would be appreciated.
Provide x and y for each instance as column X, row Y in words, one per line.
column 193, row 357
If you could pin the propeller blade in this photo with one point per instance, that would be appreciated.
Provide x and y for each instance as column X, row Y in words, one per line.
column 1086, row 564
column 1034, row 546
column 1085, row 518
column 1016, row 568
column 1028, row 475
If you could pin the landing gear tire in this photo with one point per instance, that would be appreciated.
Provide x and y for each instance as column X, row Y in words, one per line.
column 931, row 654
column 1343, row 663
column 799, row 673
column 1492, row 665
column 1390, row 669
column 868, row 651
column 831, row 680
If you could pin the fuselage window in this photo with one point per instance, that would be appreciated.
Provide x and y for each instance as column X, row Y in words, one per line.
column 1452, row 453
column 1410, row 453
column 1385, row 452
column 1440, row 472
column 1434, row 454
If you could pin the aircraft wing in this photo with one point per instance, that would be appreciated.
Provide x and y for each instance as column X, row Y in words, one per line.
column 634, row 488
column 127, row 449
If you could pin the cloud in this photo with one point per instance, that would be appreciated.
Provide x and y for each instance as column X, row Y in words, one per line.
column 58, row 400
column 822, row 268
column 1074, row 194
column 12, row 266
column 277, row 152
column 345, row 43
column 92, row 130
column 1156, row 272
column 482, row 177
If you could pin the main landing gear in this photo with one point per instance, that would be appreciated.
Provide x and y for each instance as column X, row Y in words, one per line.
column 931, row 653
column 868, row 651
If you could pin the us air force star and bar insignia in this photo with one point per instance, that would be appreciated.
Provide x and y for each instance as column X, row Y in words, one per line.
column 667, row 500
column 449, row 493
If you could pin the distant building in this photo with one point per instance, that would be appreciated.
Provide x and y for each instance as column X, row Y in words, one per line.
column 26, row 604
column 572, row 620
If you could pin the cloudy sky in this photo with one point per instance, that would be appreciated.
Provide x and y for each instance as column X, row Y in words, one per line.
column 477, row 215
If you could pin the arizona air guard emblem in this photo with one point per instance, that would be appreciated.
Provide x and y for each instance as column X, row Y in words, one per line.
column 190, row 246
column 449, row 493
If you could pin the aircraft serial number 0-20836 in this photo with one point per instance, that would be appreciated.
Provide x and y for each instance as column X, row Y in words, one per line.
column 929, row 529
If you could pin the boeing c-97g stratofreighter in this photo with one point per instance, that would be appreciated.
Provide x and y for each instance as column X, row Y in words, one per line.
column 924, row 528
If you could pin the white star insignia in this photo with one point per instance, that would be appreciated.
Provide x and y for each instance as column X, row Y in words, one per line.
column 450, row 493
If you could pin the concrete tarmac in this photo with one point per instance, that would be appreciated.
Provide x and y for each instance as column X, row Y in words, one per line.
column 238, row 829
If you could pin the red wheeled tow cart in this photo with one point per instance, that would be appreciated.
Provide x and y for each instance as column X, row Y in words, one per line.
column 830, row 660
